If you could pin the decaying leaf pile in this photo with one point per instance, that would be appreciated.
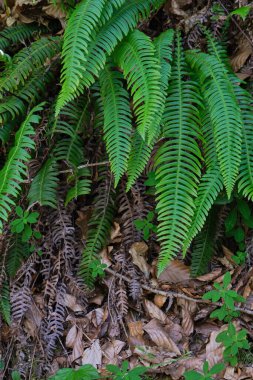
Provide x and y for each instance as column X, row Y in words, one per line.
column 162, row 323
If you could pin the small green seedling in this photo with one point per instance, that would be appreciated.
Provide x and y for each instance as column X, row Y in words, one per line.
column 22, row 225
column 207, row 373
column 124, row 373
column 221, row 292
column 97, row 269
column 240, row 257
column 146, row 225
column 233, row 341
column 85, row 372
column 242, row 12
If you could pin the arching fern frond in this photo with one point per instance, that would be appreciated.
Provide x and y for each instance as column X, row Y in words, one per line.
column 26, row 61
column 5, row 304
column 204, row 245
column 77, row 36
column 99, row 227
column 14, row 106
column 209, row 188
column 43, row 189
column 14, row 170
column 110, row 33
column 140, row 150
column 17, row 252
column 224, row 114
column 82, row 185
column 177, row 161
column 117, row 119
column 18, row 33
column 136, row 56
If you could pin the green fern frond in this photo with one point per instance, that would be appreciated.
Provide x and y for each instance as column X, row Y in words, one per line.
column 17, row 252
column 209, row 188
column 110, row 33
column 70, row 150
column 28, row 95
column 82, row 186
column 117, row 120
column 204, row 245
column 5, row 305
column 140, row 151
column 43, row 189
column 26, row 61
column 77, row 36
column 177, row 161
column 5, row 132
column 224, row 114
column 138, row 158
column 245, row 183
column 18, row 33
column 14, row 170
column 136, row 56
column 217, row 49
column 98, row 228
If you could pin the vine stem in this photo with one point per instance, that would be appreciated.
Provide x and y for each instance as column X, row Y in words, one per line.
column 170, row 293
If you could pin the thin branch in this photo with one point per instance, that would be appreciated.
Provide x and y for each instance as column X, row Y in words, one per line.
column 85, row 166
column 170, row 293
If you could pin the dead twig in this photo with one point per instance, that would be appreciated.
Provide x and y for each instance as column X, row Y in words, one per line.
column 170, row 293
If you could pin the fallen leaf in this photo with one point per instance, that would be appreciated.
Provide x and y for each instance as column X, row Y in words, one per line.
column 71, row 302
column 138, row 251
column 160, row 300
column 111, row 351
column 188, row 309
column 175, row 272
column 214, row 350
column 93, row 354
column 135, row 328
column 160, row 337
column 154, row 311
column 210, row 276
column 78, row 346
column 243, row 53
column 71, row 336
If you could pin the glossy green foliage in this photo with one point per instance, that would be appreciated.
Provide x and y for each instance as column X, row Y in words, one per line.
column 207, row 374
column 14, row 171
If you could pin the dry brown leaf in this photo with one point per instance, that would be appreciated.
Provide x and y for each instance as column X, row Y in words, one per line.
column 135, row 328
column 176, row 7
column 160, row 300
column 210, row 276
column 160, row 336
column 115, row 236
column 177, row 371
column 175, row 272
column 98, row 300
column 93, row 354
column 71, row 302
column 155, row 355
column 214, row 350
column 78, row 347
column 188, row 309
column 97, row 316
column 241, row 55
column 111, row 351
column 154, row 311
column 71, row 337
column 138, row 251
column 104, row 254
column 55, row 11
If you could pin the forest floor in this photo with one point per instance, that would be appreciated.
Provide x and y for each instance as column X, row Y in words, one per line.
column 131, row 314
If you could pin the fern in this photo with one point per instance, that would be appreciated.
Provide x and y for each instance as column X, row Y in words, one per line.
column 43, row 189
column 17, row 252
column 15, row 106
column 18, row 33
column 98, row 228
column 112, row 29
column 224, row 114
column 117, row 120
column 14, row 170
column 177, row 161
column 26, row 61
column 5, row 305
column 140, row 151
column 77, row 36
column 204, row 245
column 82, row 186
column 136, row 56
